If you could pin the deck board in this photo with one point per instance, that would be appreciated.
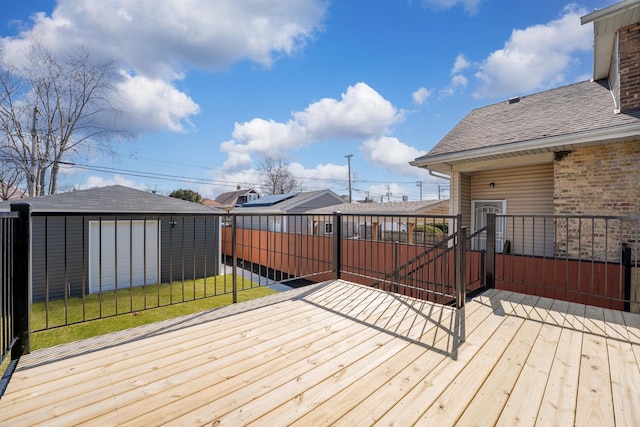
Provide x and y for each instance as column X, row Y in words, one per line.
column 558, row 404
column 595, row 404
column 343, row 354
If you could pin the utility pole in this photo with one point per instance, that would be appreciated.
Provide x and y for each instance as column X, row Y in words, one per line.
column 419, row 184
column 34, row 154
column 349, row 156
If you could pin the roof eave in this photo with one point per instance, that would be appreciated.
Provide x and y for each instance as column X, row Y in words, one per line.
column 608, row 11
column 442, row 162
column 606, row 23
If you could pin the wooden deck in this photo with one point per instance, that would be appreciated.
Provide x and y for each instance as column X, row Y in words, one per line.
column 343, row 354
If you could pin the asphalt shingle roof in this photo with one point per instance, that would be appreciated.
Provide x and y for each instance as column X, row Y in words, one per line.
column 567, row 110
column 231, row 197
column 112, row 199
column 389, row 208
column 279, row 203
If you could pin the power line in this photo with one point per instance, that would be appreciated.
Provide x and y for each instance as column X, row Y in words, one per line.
column 228, row 183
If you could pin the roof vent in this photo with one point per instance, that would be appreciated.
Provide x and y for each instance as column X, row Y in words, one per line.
column 514, row 100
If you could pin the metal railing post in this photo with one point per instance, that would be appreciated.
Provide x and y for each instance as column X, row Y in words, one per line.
column 337, row 246
column 491, row 251
column 626, row 264
column 461, row 254
column 234, row 259
column 21, row 280
column 396, row 265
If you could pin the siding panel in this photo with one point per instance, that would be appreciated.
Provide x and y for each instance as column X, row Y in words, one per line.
column 528, row 191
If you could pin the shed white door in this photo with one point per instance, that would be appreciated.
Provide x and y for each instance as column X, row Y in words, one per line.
column 126, row 255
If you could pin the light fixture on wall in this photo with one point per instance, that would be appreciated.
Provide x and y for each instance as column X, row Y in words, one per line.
column 492, row 184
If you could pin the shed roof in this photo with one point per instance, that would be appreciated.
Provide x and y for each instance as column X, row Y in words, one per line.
column 112, row 199
column 271, row 200
column 282, row 203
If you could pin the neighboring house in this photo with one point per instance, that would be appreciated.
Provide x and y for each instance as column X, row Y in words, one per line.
column 267, row 212
column 571, row 150
column 78, row 239
column 211, row 203
column 371, row 220
column 236, row 198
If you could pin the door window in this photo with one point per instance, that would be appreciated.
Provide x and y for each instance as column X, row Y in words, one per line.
column 480, row 209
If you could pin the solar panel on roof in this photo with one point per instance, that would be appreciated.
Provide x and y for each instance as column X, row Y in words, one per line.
column 269, row 200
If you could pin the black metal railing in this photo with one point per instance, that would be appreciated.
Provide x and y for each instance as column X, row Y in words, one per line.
column 409, row 254
column 87, row 266
column 99, row 265
column 14, row 281
column 587, row 259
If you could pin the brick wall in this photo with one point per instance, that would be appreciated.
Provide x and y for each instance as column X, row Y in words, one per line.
column 604, row 181
column 629, row 54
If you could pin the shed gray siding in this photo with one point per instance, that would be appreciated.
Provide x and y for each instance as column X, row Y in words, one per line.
column 190, row 249
column 59, row 257
column 60, row 250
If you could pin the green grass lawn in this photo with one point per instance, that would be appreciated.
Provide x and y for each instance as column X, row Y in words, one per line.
column 126, row 308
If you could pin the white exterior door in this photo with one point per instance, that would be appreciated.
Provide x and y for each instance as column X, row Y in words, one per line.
column 480, row 209
column 126, row 255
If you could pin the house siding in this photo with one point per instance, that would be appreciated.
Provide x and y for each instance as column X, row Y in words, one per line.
column 528, row 190
column 600, row 180
column 465, row 195
column 60, row 257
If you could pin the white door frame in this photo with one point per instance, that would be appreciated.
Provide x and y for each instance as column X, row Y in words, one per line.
column 490, row 206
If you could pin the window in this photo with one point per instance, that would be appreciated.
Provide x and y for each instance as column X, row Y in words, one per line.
column 328, row 228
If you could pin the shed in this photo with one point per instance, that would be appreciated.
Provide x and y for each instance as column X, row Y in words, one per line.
column 100, row 239
column 268, row 213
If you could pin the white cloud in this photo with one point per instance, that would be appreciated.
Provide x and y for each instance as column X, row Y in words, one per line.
column 391, row 154
column 96, row 181
column 459, row 80
column 535, row 58
column 237, row 161
column 361, row 113
column 322, row 176
column 154, row 104
column 421, row 96
column 155, row 42
column 470, row 6
column 461, row 64
column 265, row 137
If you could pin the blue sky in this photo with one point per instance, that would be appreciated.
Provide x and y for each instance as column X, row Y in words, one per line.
column 213, row 87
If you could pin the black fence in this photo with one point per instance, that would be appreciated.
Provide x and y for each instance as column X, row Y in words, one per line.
column 14, row 281
column 592, row 260
column 99, row 265
column 413, row 255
